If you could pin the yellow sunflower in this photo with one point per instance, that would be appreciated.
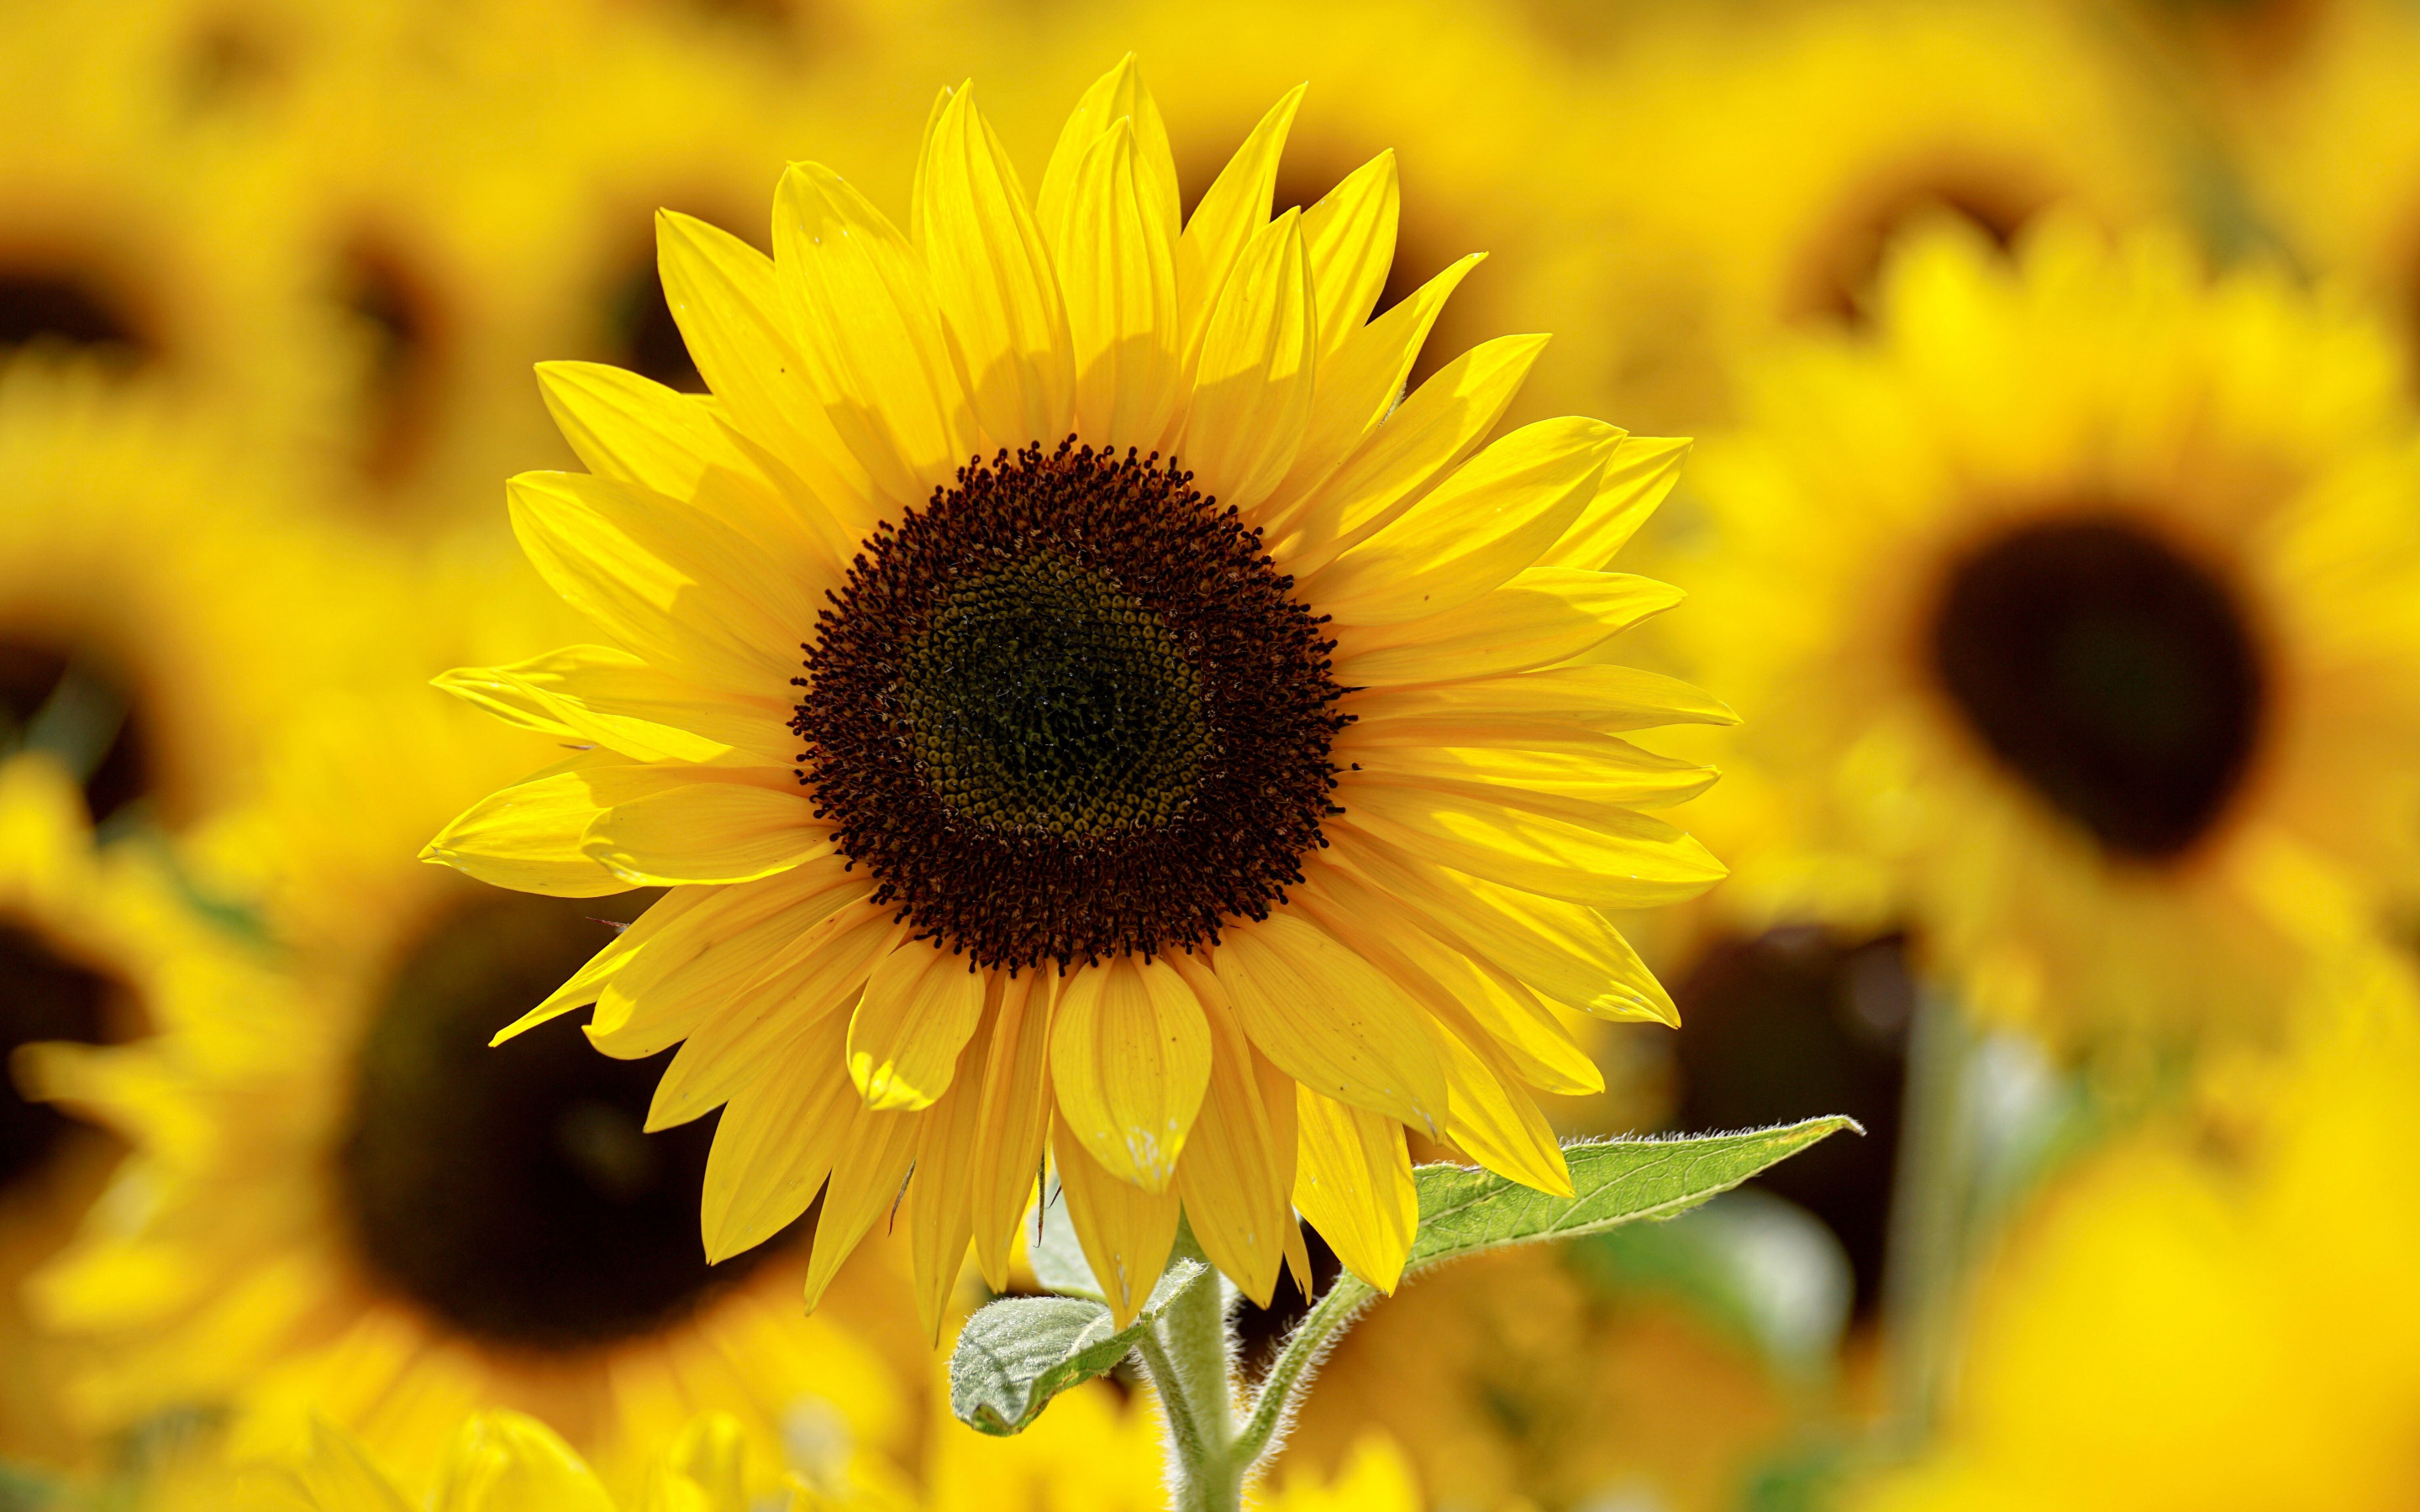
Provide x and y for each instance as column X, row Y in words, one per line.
column 1748, row 163
column 94, row 946
column 341, row 1203
column 2215, row 1313
column 1209, row 766
column 2075, row 618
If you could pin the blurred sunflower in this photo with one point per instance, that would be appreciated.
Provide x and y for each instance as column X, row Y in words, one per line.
column 1196, row 828
column 2075, row 614
column 145, row 569
column 342, row 1203
column 93, row 948
column 1750, row 164
column 2216, row 1312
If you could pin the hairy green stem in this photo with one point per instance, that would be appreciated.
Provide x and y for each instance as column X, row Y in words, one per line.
column 1290, row 1373
column 1191, row 1356
column 1932, row 1203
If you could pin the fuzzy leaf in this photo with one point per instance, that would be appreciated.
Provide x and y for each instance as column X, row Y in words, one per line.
column 1616, row 1181
column 1055, row 1253
column 1015, row 1354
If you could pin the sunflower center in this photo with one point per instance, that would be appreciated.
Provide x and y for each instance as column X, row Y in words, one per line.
column 41, row 997
column 2118, row 678
column 1069, row 711
column 70, row 705
column 514, row 1192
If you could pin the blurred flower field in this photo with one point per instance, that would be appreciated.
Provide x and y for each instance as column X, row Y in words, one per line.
column 2020, row 395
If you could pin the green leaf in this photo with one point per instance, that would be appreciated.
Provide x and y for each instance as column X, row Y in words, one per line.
column 1463, row 1211
column 1056, row 1254
column 1015, row 1354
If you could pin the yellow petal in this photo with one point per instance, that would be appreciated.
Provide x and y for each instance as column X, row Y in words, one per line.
column 707, row 832
column 634, row 430
column 683, row 591
column 1351, row 237
column 1329, row 1019
column 1589, row 768
column 777, row 1141
column 821, row 972
column 1563, row 951
column 528, row 837
column 1253, row 381
column 1636, row 478
column 1117, row 94
column 1126, row 1232
column 1016, row 1101
column 1117, row 270
column 1545, row 705
column 1236, row 1180
column 609, row 697
column 1496, row 1121
column 1616, row 859
column 1358, row 387
column 728, row 303
column 939, row 1215
column 1497, row 513
column 1354, row 1184
column 1129, row 1061
column 598, row 973
column 871, row 334
column 706, row 956
column 1420, row 442
column 992, row 280
column 1230, row 214
column 340, row 1476
column 921, row 1005
column 866, row 1180
column 505, row 1462
column 1543, row 616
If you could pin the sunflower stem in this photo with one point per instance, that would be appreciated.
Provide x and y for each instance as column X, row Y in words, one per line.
column 1290, row 1376
column 1190, row 1354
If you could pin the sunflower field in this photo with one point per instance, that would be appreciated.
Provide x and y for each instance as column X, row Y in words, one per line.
column 1544, row 756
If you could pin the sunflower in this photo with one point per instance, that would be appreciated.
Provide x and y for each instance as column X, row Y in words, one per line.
column 143, row 573
column 2213, row 1312
column 1208, row 761
column 1743, row 180
column 2073, row 617
column 340, row 1203
column 93, row 948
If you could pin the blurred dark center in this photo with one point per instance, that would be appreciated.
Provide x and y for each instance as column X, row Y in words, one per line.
column 397, row 314
column 2116, row 677
column 74, row 708
column 42, row 996
column 512, row 1191
column 46, row 306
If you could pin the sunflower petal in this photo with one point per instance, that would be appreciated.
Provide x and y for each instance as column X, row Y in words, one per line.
column 1354, row 1184
column 1235, row 1178
column 1636, row 478
column 634, row 430
column 1131, row 1062
column 1548, row 704
column 866, row 1182
column 1543, row 616
column 597, row 975
column 1015, row 1121
column 776, row 1143
column 1496, row 1121
column 681, row 590
column 992, row 279
column 1351, row 237
column 939, row 1218
column 1421, row 442
column 1117, row 269
column 699, row 965
column 527, row 837
column 707, row 832
column 608, row 696
column 1230, row 214
column 1254, row 378
column 1126, row 1232
column 1618, row 859
column 920, row 1005
column 870, row 333
column 1330, row 1020
column 1587, row 768
column 726, row 299
column 1497, row 513
column 1117, row 94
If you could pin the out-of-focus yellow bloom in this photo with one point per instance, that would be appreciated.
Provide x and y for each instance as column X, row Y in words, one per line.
column 2215, row 1318
column 1221, row 810
column 2076, row 618
column 146, row 570
column 341, row 1202
column 1749, row 163
column 93, row 948
column 1510, row 1383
